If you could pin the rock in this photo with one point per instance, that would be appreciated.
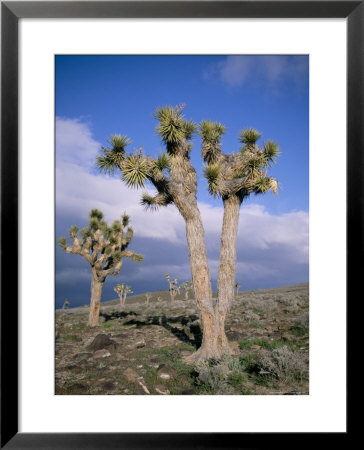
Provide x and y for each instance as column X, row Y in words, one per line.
column 165, row 372
column 159, row 389
column 82, row 357
column 103, row 353
column 130, row 375
column 285, row 337
column 255, row 347
column 68, row 325
column 74, row 368
column 102, row 341
column 186, row 353
column 140, row 344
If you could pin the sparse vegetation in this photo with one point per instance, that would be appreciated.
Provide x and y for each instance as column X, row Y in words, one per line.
column 270, row 357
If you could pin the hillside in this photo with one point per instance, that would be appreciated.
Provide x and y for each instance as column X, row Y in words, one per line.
column 141, row 349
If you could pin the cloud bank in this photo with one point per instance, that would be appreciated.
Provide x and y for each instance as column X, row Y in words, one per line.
column 272, row 249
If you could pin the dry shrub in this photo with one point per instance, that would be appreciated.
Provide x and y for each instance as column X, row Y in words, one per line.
column 302, row 320
column 284, row 365
column 250, row 316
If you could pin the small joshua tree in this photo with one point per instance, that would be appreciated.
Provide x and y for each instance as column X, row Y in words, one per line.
column 148, row 296
column 237, row 287
column 173, row 286
column 122, row 290
column 104, row 248
column 66, row 304
column 187, row 286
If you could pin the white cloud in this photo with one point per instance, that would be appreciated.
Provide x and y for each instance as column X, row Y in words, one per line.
column 267, row 243
column 236, row 70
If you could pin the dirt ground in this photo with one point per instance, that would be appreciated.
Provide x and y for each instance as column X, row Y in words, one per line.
column 140, row 349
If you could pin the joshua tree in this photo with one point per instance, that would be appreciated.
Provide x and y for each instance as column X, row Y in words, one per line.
column 237, row 287
column 66, row 304
column 148, row 296
column 173, row 288
column 104, row 248
column 175, row 181
column 122, row 290
column 187, row 286
column 233, row 177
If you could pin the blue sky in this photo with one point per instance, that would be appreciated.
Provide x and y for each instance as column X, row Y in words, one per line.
column 101, row 95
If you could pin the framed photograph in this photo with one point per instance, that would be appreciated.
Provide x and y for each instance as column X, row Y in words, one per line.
column 149, row 295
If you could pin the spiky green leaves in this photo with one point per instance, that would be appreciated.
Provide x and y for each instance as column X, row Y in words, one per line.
column 73, row 231
column 62, row 242
column 135, row 170
column 96, row 213
column 137, row 258
column 211, row 133
column 163, row 162
column 173, row 128
column 148, row 201
column 212, row 172
column 113, row 155
column 271, row 151
column 265, row 184
column 249, row 136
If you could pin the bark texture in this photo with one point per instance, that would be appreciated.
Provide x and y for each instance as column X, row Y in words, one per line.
column 96, row 291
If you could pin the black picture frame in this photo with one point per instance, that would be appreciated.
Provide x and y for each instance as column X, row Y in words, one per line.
column 11, row 12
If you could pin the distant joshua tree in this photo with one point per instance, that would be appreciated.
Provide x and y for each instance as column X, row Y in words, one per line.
column 122, row 290
column 173, row 286
column 187, row 286
column 148, row 296
column 237, row 287
column 104, row 248
column 66, row 304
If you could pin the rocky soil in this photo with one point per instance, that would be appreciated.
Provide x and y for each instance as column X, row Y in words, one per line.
column 140, row 350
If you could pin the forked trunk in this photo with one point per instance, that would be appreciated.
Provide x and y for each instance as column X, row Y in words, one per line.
column 227, row 266
column 96, row 290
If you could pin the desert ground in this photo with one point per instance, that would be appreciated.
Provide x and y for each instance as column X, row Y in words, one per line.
column 141, row 348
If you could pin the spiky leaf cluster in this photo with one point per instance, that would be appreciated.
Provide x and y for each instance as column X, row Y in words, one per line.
column 113, row 155
column 211, row 133
column 135, row 170
column 103, row 246
column 173, row 128
column 237, row 174
column 212, row 172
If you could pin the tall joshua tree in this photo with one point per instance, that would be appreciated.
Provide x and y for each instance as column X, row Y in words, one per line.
column 104, row 248
column 174, row 179
column 233, row 177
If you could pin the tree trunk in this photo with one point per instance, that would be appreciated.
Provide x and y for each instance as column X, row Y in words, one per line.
column 96, row 290
column 202, row 288
column 227, row 266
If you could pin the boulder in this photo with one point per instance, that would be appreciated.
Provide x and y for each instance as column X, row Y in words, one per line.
column 162, row 390
column 102, row 341
column 130, row 375
column 103, row 353
column 165, row 372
